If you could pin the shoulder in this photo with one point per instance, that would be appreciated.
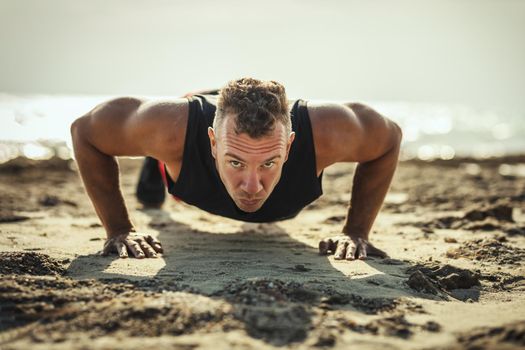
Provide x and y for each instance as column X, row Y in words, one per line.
column 163, row 114
column 162, row 126
column 128, row 126
column 350, row 132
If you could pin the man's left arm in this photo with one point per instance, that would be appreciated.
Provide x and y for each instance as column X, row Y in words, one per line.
column 357, row 133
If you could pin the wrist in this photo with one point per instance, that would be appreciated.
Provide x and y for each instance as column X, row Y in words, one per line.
column 354, row 232
column 119, row 232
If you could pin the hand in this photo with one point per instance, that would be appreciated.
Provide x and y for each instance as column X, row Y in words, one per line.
column 349, row 248
column 140, row 246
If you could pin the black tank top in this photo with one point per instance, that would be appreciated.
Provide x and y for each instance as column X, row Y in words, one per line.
column 199, row 183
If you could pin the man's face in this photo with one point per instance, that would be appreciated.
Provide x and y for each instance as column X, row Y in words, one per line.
column 249, row 168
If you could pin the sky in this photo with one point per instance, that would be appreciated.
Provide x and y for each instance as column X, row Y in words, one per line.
column 460, row 52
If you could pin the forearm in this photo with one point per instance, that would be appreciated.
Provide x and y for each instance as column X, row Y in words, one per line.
column 100, row 174
column 370, row 185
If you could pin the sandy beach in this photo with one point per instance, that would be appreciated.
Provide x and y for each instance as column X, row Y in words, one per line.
column 455, row 278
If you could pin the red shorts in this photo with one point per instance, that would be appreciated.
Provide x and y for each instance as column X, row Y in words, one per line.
column 162, row 170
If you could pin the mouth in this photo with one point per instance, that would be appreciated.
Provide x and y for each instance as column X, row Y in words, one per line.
column 250, row 202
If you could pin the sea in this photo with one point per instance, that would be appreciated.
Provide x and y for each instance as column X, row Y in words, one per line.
column 37, row 127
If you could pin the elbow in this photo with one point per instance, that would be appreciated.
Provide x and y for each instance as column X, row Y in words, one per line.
column 398, row 134
column 78, row 130
column 73, row 128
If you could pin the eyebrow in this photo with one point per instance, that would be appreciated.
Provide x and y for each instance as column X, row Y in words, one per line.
column 242, row 160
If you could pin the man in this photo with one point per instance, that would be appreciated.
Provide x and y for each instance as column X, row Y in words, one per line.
column 246, row 154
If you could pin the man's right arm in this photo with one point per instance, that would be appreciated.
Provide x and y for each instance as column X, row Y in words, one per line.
column 125, row 127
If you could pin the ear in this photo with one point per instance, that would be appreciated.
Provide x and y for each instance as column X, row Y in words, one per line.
column 213, row 141
column 289, row 145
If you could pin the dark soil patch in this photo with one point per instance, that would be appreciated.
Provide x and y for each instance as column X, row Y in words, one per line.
column 64, row 309
column 9, row 216
column 516, row 231
column 488, row 250
column 336, row 219
column 23, row 165
column 52, row 201
column 57, row 309
column 502, row 282
column 484, row 218
column 395, row 325
column 29, row 263
column 276, row 325
column 267, row 292
column 138, row 315
column 442, row 280
column 500, row 212
column 24, row 299
column 507, row 337
column 369, row 306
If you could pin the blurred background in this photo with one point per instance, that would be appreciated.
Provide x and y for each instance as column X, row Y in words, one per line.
column 451, row 73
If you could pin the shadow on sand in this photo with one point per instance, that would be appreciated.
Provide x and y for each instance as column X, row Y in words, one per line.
column 274, row 282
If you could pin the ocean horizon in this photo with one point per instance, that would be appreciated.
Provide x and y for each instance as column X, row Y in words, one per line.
column 37, row 126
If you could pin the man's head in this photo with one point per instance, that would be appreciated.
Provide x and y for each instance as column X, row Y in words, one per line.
column 250, row 139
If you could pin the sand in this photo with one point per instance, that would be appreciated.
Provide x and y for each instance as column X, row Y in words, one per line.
column 455, row 278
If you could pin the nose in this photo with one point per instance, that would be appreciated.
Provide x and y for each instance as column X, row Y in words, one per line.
column 252, row 183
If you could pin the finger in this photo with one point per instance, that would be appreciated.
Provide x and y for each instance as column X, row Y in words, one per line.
column 121, row 249
column 109, row 247
column 134, row 248
column 332, row 245
column 324, row 247
column 146, row 248
column 361, row 251
column 155, row 243
column 340, row 251
column 350, row 251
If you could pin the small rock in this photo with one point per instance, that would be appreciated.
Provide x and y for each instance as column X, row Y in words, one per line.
column 301, row 268
column 8, row 217
column 49, row 201
column 421, row 283
column 325, row 339
column 432, row 326
column 500, row 212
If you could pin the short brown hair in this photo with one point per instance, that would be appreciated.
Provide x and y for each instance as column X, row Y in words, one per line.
column 256, row 104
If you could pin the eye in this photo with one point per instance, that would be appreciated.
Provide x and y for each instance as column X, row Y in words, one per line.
column 235, row 163
column 269, row 164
